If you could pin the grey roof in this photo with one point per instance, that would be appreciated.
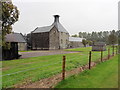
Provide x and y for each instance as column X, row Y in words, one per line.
column 42, row 29
column 15, row 37
column 48, row 28
column 75, row 39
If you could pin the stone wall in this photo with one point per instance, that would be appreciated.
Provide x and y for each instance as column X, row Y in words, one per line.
column 40, row 40
column 64, row 40
column 54, row 39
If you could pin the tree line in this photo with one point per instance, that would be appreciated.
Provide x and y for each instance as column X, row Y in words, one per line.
column 109, row 37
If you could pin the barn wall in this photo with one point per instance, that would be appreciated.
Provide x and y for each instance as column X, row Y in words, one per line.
column 64, row 40
column 54, row 39
column 28, row 41
column 40, row 40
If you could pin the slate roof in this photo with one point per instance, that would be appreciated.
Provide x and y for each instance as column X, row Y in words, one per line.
column 15, row 37
column 42, row 29
column 75, row 39
column 48, row 28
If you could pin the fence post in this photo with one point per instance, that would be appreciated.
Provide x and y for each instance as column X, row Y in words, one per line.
column 101, row 55
column 90, row 60
column 108, row 53
column 63, row 68
column 113, row 50
column 116, row 50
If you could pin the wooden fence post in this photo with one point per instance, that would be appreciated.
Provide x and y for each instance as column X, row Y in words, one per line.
column 113, row 51
column 116, row 50
column 90, row 60
column 108, row 53
column 63, row 68
column 101, row 55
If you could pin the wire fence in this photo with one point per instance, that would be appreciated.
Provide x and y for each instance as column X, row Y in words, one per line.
column 44, row 71
column 30, row 69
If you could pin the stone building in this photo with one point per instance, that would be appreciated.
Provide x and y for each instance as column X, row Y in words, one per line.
column 16, row 42
column 19, row 38
column 50, row 37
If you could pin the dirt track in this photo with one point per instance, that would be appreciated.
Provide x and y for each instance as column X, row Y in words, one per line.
column 43, row 53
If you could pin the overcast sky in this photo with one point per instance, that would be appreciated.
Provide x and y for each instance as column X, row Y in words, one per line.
column 75, row 15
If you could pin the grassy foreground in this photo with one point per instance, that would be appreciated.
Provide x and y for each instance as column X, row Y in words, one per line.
column 35, row 68
column 104, row 75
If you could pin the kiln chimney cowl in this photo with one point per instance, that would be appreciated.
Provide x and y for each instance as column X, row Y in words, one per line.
column 56, row 18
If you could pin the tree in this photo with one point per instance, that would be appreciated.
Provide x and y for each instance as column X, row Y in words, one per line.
column 85, row 42
column 112, row 38
column 80, row 34
column 10, row 15
column 90, row 43
column 74, row 35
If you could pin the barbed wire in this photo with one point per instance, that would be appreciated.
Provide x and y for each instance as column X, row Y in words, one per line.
column 29, row 75
column 30, row 69
column 31, row 63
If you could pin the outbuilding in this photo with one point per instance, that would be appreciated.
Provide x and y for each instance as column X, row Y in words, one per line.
column 14, row 40
column 75, row 42
column 19, row 38
column 98, row 46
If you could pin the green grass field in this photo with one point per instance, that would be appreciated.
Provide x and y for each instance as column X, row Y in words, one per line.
column 26, row 51
column 80, row 49
column 35, row 68
column 104, row 75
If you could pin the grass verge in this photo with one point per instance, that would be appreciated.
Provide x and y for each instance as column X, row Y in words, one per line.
column 104, row 75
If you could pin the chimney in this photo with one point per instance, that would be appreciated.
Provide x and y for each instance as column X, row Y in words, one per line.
column 56, row 18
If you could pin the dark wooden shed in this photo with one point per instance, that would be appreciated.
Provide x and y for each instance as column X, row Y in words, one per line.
column 98, row 46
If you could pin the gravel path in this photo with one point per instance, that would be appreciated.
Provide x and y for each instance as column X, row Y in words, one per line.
column 43, row 53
